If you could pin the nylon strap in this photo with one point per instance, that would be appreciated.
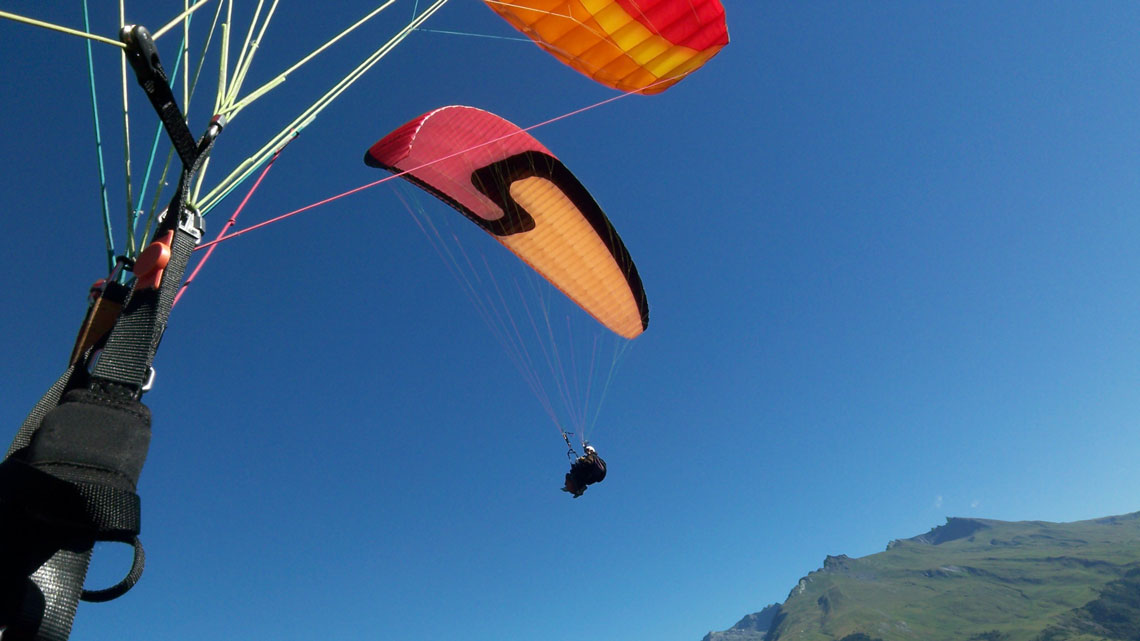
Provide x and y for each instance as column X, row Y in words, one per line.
column 49, row 400
column 125, row 361
column 47, row 610
column 130, row 349
column 43, row 609
column 54, row 621
column 56, row 580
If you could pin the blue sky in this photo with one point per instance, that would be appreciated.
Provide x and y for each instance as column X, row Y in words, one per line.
column 890, row 254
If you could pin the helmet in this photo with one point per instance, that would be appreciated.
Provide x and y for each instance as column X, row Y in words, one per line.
column 590, row 449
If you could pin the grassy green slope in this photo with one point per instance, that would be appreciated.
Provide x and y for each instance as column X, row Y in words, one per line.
column 979, row 580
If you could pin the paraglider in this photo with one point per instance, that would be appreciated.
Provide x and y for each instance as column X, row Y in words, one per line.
column 643, row 46
column 587, row 470
column 515, row 189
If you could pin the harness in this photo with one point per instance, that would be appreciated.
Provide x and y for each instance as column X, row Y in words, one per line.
column 70, row 477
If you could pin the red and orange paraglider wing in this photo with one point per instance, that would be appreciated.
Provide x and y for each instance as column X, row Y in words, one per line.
column 506, row 182
column 631, row 45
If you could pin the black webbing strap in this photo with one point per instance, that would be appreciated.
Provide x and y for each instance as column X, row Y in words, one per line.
column 47, row 609
column 131, row 346
column 49, row 400
column 72, row 485
column 71, row 478
column 71, row 474
column 24, row 610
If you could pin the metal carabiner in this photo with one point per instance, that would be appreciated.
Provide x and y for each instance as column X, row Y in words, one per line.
column 570, row 454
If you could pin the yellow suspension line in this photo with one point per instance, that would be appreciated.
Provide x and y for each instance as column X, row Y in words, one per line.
column 181, row 18
column 311, row 113
column 248, row 49
column 260, row 91
column 61, row 29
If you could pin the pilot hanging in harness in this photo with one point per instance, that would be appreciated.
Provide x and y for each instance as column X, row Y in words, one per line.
column 586, row 470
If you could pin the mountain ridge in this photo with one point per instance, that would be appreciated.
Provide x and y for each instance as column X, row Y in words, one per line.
column 969, row 579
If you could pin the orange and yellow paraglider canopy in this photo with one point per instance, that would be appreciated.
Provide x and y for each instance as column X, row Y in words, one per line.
column 645, row 46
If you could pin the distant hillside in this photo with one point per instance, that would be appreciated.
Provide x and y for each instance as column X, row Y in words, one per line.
column 970, row 580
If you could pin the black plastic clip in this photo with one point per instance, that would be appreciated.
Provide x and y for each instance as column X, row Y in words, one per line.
column 143, row 56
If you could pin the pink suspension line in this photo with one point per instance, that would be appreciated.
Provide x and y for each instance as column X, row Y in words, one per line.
column 229, row 223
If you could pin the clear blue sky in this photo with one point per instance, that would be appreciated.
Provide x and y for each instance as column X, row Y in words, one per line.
column 890, row 250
